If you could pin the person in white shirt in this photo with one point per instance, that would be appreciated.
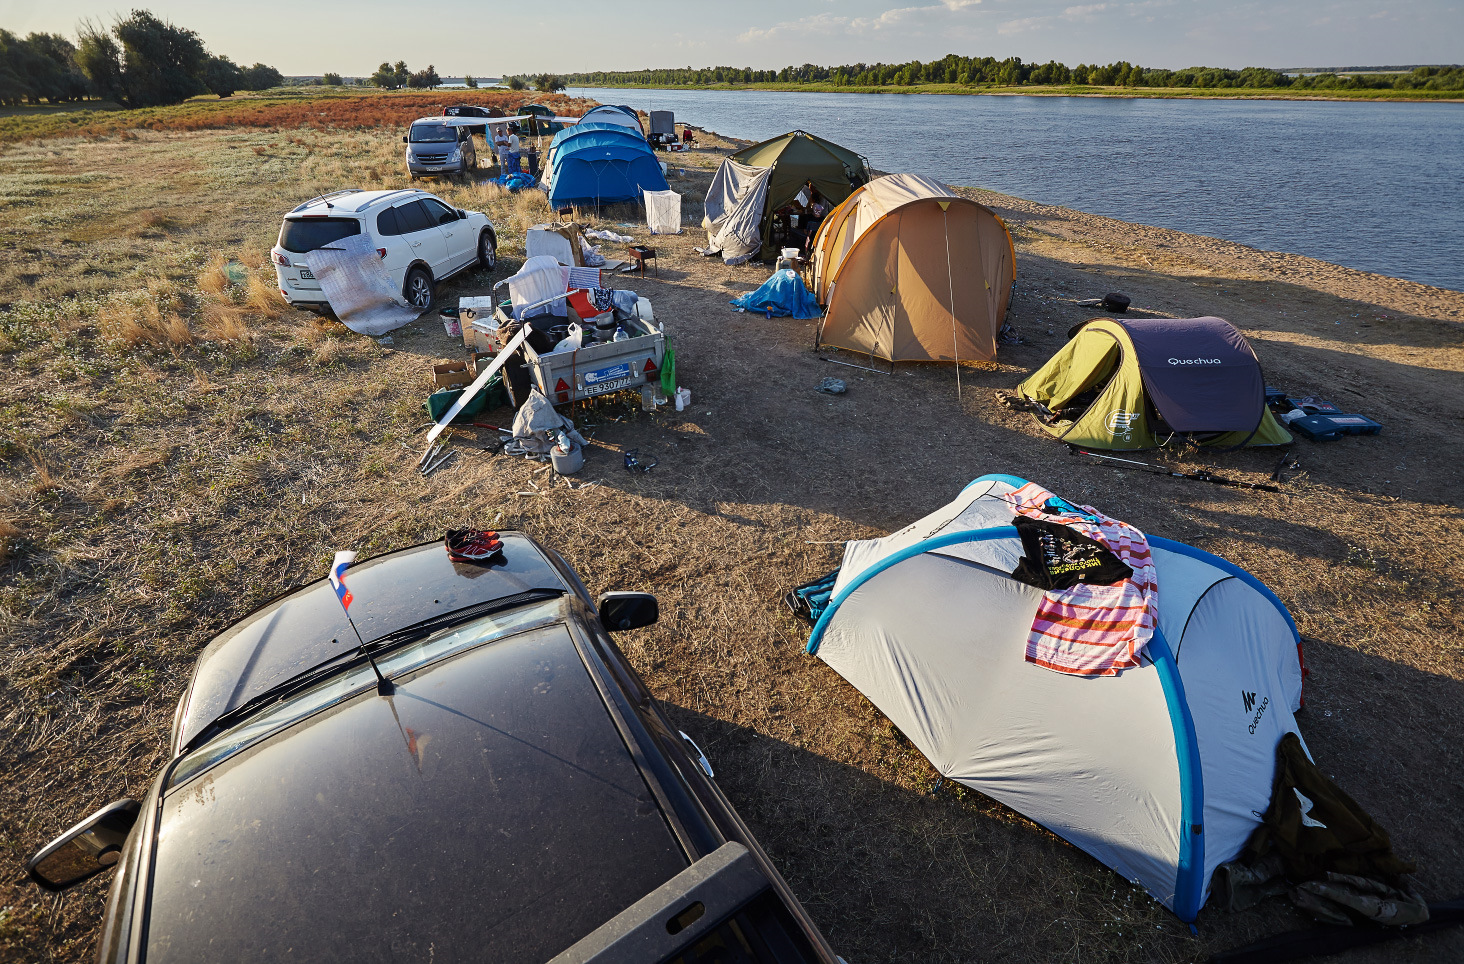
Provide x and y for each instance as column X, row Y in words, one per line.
column 500, row 147
column 513, row 148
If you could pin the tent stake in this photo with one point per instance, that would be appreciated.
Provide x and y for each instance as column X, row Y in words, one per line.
column 860, row 367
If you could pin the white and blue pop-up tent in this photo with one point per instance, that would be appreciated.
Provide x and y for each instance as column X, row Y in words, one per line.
column 1160, row 772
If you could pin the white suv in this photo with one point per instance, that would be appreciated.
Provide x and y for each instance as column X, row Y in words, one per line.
column 420, row 239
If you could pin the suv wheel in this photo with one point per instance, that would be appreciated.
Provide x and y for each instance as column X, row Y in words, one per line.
column 487, row 251
column 418, row 289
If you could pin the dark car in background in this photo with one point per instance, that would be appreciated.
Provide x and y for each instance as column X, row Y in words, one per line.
column 506, row 790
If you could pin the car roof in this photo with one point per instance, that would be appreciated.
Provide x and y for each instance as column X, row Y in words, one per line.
column 306, row 627
column 488, row 810
column 352, row 202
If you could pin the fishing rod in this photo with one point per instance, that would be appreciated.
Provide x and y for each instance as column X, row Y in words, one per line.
column 1200, row 476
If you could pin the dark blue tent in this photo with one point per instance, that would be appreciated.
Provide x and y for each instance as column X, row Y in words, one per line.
column 602, row 165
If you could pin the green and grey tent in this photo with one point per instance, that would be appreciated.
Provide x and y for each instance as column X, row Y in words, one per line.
column 756, row 181
column 1141, row 383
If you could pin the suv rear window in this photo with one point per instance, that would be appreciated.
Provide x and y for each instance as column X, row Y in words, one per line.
column 306, row 234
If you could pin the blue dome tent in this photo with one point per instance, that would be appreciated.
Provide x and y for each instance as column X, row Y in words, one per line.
column 601, row 164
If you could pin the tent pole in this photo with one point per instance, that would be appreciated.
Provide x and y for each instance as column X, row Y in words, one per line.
column 951, row 285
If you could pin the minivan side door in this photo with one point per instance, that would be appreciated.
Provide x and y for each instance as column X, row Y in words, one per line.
column 419, row 231
column 462, row 244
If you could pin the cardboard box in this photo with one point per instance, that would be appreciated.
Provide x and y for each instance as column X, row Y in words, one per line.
column 451, row 375
column 481, row 360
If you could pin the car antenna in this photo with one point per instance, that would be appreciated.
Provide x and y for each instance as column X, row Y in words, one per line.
column 343, row 560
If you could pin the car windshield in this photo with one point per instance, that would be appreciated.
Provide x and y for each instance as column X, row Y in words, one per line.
column 433, row 134
column 300, row 235
column 276, row 716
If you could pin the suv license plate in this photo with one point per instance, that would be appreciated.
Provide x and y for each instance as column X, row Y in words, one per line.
column 614, row 386
column 305, row 275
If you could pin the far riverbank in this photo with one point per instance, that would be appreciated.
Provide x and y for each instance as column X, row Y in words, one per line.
column 1079, row 90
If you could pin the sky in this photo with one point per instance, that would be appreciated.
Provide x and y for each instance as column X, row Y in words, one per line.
column 490, row 39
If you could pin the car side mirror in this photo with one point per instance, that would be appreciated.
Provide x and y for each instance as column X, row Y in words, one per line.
column 628, row 610
column 462, row 215
column 404, row 139
column 87, row 849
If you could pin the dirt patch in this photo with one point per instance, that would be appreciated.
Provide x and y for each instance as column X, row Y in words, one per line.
column 201, row 479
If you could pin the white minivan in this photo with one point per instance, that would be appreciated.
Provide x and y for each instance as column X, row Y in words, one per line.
column 420, row 239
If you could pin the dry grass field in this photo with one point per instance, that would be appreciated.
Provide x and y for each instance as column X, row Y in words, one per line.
column 176, row 446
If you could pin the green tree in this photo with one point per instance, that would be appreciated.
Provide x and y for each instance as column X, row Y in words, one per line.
column 222, row 76
column 470, row 81
column 331, row 80
column 548, row 83
column 142, row 61
column 385, row 76
column 424, row 79
column 262, row 77
column 517, row 83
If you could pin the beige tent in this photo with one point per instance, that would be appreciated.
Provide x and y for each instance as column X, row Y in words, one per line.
column 909, row 271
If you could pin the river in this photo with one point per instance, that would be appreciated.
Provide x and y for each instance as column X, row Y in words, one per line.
column 1371, row 185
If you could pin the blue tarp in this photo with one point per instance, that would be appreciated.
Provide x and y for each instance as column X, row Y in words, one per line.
column 516, row 181
column 782, row 296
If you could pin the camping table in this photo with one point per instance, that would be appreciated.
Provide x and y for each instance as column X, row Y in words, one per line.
column 640, row 254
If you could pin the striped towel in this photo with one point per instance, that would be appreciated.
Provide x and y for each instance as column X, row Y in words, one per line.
column 1093, row 630
column 584, row 277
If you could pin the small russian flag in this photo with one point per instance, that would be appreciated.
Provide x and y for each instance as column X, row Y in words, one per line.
column 343, row 560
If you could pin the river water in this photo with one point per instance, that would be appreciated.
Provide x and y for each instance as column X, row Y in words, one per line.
column 1374, row 186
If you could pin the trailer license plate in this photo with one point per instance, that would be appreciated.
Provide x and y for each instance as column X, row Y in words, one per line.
column 604, row 387
column 305, row 275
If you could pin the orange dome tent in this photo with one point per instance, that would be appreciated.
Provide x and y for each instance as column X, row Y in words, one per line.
column 910, row 271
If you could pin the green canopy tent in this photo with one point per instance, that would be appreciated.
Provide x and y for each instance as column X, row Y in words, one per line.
column 541, row 121
column 791, row 161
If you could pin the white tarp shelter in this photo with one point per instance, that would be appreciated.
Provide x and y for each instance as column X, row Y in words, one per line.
column 663, row 211
column 1160, row 772
column 734, row 210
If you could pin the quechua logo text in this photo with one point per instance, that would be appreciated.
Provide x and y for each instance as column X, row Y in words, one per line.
column 1249, row 699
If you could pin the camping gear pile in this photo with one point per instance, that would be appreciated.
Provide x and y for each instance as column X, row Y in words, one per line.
column 663, row 128
column 1142, row 383
column 1316, row 418
column 755, row 182
column 582, row 340
column 911, row 271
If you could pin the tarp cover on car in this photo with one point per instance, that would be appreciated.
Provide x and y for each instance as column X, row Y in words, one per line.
column 1200, row 373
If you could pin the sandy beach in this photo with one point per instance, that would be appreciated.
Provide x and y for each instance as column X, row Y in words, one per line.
column 152, row 493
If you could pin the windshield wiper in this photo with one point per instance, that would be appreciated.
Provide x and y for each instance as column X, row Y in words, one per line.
column 359, row 654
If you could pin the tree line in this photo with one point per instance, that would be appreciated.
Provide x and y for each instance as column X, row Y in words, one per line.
column 139, row 61
column 1013, row 72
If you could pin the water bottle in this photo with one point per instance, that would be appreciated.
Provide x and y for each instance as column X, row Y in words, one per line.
column 621, row 335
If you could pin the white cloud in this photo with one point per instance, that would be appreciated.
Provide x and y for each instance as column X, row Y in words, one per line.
column 824, row 23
